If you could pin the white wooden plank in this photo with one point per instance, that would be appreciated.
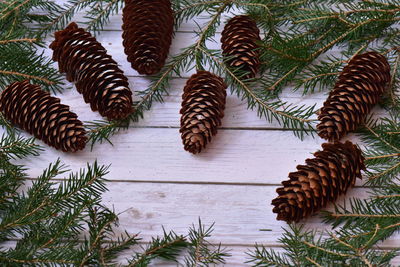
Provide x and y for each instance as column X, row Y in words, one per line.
column 156, row 154
column 167, row 114
column 239, row 212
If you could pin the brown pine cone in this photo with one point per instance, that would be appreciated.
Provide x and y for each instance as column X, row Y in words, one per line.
column 34, row 110
column 98, row 77
column 203, row 104
column 321, row 180
column 240, row 47
column 148, row 27
column 359, row 88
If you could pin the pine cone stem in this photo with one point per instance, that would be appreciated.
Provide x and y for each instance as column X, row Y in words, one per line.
column 358, row 89
column 320, row 181
column 240, row 47
column 98, row 77
column 148, row 27
column 203, row 104
column 28, row 107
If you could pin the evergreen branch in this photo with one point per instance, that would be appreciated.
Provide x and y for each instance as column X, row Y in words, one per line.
column 357, row 251
column 15, row 9
column 209, row 29
column 385, row 172
column 328, row 251
column 27, row 76
column 62, row 17
column 99, row 224
column 319, row 76
column 200, row 252
column 18, row 147
column 383, row 156
column 269, row 111
column 166, row 247
column 98, row 15
column 281, row 79
column 28, row 40
column 185, row 10
column 387, row 196
column 35, row 261
column 313, row 262
column 379, row 137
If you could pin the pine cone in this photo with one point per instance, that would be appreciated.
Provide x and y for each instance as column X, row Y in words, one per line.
column 97, row 76
column 148, row 27
column 203, row 104
column 320, row 181
column 359, row 88
column 34, row 110
column 239, row 40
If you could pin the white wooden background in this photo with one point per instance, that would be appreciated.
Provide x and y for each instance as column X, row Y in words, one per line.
column 155, row 183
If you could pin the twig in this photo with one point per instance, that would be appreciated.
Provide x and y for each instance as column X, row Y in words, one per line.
column 381, row 139
column 383, row 156
column 339, row 215
column 313, row 262
column 15, row 9
column 384, row 172
column 29, row 40
column 328, row 251
column 27, row 76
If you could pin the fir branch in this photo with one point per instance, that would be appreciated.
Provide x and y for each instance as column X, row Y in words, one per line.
column 20, row 40
column 99, row 14
column 185, row 10
column 62, row 16
column 27, row 76
column 13, row 146
column 166, row 247
column 291, row 117
column 201, row 252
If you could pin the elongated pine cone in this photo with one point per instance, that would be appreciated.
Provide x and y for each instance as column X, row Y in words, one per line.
column 203, row 104
column 239, row 40
column 359, row 88
column 27, row 106
column 321, row 180
column 148, row 27
column 98, row 77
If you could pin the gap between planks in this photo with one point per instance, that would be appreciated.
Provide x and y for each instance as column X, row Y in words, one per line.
column 144, row 181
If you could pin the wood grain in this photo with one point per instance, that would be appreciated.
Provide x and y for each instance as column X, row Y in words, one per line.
column 156, row 154
column 239, row 212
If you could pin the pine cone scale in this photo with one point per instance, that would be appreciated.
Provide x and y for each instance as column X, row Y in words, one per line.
column 239, row 40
